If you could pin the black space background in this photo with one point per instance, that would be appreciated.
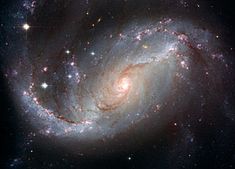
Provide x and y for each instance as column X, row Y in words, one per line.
column 10, row 128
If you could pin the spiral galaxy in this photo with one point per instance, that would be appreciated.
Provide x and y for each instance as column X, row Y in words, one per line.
column 104, row 79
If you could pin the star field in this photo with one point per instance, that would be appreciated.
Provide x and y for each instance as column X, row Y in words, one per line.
column 118, row 84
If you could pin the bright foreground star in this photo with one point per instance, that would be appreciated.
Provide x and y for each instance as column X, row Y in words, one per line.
column 26, row 26
column 44, row 85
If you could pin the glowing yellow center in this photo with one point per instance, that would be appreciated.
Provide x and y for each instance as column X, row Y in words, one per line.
column 124, row 84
